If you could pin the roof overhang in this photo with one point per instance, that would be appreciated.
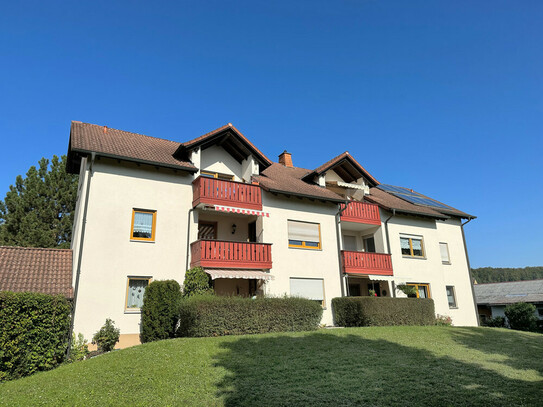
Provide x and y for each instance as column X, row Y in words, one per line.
column 297, row 194
column 229, row 138
column 346, row 167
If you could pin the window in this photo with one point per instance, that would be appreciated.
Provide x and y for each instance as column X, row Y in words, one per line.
column 444, row 249
column 209, row 174
column 135, row 289
column 207, row 230
column 304, row 235
column 310, row 288
column 451, row 296
column 423, row 290
column 349, row 243
column 369, row 244
column 143, row 225
column 412, row 246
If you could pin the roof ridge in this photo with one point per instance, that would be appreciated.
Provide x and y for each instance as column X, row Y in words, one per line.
column 35, row 248
column 503, row 282
column 125, row 131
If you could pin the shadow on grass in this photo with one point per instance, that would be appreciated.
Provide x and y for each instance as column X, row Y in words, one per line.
column 493, row 341
column 320, row 369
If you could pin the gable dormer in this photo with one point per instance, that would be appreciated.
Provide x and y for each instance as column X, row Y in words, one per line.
column 343, row 175
column 225, row 152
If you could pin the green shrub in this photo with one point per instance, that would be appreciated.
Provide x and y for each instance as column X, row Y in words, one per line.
column 409, row 290
column 197, row 282
column 107, row 336
column 383, row 311
column 521, row 316
column 217, row 316
column 497, row 322
column 79, row 349
column 33, row 332
column 160, row 310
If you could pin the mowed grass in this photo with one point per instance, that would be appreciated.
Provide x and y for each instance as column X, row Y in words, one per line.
column 379, row 366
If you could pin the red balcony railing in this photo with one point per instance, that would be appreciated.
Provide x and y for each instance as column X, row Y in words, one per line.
column 361, row 212
column 219, row 253
column 367, row 263
column 229, row 193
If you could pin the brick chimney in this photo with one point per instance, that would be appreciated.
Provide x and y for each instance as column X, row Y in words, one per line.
column 286, row 159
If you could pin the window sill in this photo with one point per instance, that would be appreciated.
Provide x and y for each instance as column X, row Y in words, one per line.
column 413, row 257
column 132, row 311
column 447, row 263
column 305, row 248
column 142, row 241
column 453, row 307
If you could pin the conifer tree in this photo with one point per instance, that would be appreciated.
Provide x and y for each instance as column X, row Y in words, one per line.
column 38, row 210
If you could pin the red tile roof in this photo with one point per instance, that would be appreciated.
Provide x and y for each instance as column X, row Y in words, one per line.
column 288, row 180
column 47, row 271
column 86, row 138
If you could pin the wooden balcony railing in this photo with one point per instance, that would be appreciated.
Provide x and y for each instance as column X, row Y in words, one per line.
column 222, row 254
column 366, row 263
column 229, row 193
column 361, row 212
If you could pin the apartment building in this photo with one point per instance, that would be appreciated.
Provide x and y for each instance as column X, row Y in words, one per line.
column 149, row 209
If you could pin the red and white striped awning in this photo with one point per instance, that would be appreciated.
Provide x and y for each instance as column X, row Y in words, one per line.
column 236, row 273
column 241, row 210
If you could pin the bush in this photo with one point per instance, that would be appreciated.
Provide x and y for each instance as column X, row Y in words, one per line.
column 497, row 322
column 79, row 349
column 217, row 316
column 521, row 316
column 383, row 311
column 33, row 332
column 443, row 320
column 107, row 336
column 197, row 282
column 160, row 310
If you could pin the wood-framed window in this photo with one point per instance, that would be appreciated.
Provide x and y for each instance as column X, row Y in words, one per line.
column 444, row 250
column 218, row 175
column 207, row 230
column 310, row 288
column 135, row 289
column 304, row 235
column 412, row 246
column 423, row 290
column 143, row 225
column 451, row 296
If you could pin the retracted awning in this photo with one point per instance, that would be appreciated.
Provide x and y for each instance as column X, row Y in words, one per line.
column 236, row 273
column 241, row 210
column 374, row 277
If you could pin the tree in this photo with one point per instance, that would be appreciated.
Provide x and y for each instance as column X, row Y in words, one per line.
column 38, row 211
column 196, row 283
column 521, row 316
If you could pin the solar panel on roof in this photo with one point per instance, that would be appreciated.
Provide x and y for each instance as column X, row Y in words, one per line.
column 411, row 196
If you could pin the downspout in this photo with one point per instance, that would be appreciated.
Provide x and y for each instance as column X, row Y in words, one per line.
column 469, row 269
column 188, row 241
column 78, row 269
column 388, row 249
column 340, row 257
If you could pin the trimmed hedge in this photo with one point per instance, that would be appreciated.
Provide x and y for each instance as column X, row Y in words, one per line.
column 160, row 310
column 33, row 332
column 218, row 316
column 383, row 311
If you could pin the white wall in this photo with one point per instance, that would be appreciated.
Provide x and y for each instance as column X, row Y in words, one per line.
column 430, row 269
column 216, row 159
column 306, row 263
column 109, row 256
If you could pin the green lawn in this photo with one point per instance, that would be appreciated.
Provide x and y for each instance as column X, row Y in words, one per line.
column 357, row 366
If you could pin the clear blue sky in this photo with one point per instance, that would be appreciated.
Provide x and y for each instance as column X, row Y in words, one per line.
column 444, row 97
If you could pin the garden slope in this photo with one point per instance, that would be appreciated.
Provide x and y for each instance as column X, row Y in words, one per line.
column 374, row 366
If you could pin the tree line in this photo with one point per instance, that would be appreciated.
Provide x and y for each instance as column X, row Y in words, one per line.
column 499, row 274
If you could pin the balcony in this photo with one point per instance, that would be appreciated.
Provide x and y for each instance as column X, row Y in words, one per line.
column 366, row 263
column 361, row 212
column 222, row 254
column 229, row 193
